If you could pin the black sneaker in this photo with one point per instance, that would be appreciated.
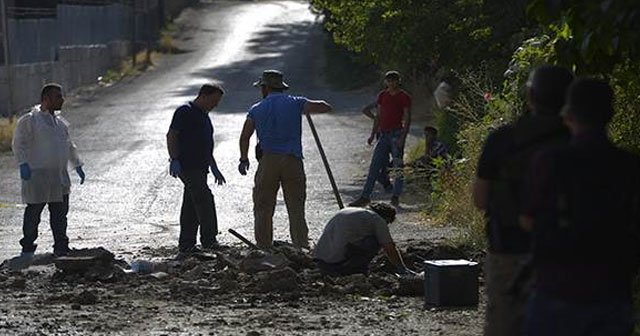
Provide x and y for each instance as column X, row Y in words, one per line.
column 360, row 202
column 395, row 201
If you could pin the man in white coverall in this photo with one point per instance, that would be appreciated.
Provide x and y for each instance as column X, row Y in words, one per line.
column 43, row 150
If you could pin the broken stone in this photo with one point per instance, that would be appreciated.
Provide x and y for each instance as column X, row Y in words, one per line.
column 258, row 261
column 86, row 298
column 280, row 280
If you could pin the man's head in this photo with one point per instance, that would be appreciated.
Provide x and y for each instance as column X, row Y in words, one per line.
column 589, row 105
column 546, row 89
column 384, row 210
column 430, row 133
column 392, row 79
column 271, row 81
column 51, row 98
column 209, row 96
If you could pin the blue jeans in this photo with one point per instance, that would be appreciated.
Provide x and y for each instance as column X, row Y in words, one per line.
column 387, row 145
column 547, row 315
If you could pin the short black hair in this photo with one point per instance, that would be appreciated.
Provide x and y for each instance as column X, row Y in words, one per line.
column 48, row 88
column 209, row 89
column 590, row 101
column 431, row 130
column 384, row 210
column 549, row 84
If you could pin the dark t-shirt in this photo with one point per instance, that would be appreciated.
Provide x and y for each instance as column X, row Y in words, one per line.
column 195, row 136
column 585, row 202
column 503, row 162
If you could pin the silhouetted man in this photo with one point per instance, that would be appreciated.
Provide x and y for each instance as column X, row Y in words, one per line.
column 584, row 209
column 277, row 119
column 498, row 189
column 190, row 143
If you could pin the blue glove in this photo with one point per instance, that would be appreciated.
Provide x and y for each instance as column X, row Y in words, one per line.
column 175, row 168
column 243, row 166
column 80, row 173
column 25, row 171
column 219, row 178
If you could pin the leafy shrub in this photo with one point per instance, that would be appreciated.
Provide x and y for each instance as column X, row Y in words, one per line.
column 7, row 126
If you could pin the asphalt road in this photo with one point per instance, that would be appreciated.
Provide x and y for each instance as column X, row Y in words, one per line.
column 129, row 201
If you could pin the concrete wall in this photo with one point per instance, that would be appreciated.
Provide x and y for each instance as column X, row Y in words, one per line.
column 75, row 66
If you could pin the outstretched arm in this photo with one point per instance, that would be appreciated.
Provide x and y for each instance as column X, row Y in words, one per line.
column 316, row 106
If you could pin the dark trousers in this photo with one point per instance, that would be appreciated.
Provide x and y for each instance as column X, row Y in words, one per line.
column 357, row 259
column 57, row 219
column 547, row 315
column 198, row 209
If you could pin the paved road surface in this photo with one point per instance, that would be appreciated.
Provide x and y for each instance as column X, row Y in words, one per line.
column 129, row 201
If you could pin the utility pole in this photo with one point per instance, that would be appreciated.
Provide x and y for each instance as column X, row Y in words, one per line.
column 7, row 54
column 133, row 33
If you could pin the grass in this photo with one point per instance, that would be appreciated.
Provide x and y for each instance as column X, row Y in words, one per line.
column 144, row 60
column 166, row 44
column 7, row 126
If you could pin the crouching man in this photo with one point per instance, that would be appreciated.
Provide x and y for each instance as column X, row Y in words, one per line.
column 353, row 237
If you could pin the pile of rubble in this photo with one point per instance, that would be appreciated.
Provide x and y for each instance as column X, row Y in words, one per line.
column 284, row 273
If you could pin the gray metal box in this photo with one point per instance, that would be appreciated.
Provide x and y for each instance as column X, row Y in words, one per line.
column 450, row 283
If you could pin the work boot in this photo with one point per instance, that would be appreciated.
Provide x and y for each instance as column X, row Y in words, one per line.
column 182, row 255
column 213, row 246
column 360, row 202
column 395, row 201
column 388, row 188
column 61, row 252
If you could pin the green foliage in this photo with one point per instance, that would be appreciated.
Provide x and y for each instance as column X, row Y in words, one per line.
column 625, row 126
column 477, row 114
column 420, row 37
column 597, row 35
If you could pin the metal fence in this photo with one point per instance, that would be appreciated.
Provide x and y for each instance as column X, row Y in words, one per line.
column 44, row 40
column 36, row 33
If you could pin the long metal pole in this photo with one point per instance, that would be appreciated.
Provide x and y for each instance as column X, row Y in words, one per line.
column 325, row 162
column 7, row 54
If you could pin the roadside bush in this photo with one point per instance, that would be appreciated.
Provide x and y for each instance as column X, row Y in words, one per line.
column 625, row 126
column 7, row 125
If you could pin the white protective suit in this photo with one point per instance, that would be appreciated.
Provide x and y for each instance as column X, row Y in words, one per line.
column 42, row 140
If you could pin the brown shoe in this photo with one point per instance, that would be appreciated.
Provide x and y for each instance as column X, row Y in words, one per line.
column 360, row 202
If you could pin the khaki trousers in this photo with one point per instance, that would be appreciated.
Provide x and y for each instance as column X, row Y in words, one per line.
column 273, row 171
column 505, row 313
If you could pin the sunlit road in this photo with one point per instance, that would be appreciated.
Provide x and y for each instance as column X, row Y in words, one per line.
column 129, row 201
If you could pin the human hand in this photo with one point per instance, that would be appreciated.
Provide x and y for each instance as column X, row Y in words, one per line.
column 80, row 173
column 243, row 166
column 25, row 171
column 175, row 168
column 405, row 271
column 370, row 140
column 219, row 178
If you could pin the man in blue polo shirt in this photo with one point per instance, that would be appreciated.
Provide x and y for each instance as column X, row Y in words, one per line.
column 190, row 143
column 277, row 119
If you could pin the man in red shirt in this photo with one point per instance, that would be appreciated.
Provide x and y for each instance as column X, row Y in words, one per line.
column 392, row 124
